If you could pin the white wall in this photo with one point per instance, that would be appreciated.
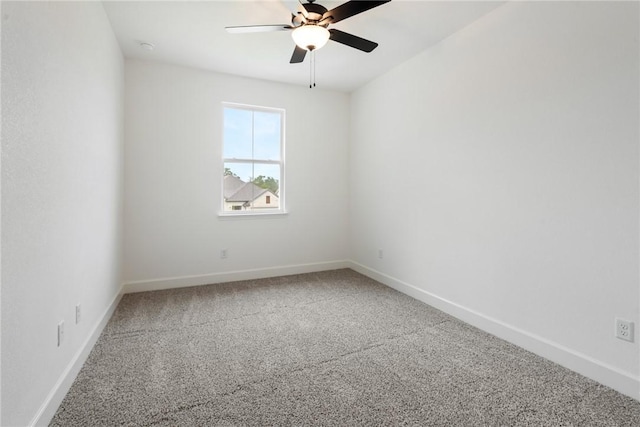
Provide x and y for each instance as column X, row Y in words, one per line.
column 509, row 157
column 173, row 175
column 62, row 96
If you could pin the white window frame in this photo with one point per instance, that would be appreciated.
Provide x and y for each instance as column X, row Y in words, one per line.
column 281, row 184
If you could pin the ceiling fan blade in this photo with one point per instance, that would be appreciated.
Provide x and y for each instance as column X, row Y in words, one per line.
column 352, row 41
column 258, row 28
column 293, row 6
column 351, row 8
column 298, row 55
column 303, row 9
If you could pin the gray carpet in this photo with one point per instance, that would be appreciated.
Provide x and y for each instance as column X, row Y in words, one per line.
column 330, row 348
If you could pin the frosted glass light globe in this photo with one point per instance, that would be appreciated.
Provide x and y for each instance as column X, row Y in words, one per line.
column 310, row 37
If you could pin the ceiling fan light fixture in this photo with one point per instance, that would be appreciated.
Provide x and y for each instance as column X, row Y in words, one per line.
column 310, row 37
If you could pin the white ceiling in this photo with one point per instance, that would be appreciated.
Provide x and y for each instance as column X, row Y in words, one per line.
column 192, row 33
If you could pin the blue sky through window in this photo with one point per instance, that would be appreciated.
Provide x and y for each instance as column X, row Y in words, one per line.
column 251, row 134
column 238, row 133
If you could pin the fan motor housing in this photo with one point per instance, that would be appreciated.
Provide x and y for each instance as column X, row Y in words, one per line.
column 314, row 14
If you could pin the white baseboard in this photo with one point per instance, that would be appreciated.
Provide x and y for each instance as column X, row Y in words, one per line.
column 624, row 382
column 230, row 276
column 54, row 399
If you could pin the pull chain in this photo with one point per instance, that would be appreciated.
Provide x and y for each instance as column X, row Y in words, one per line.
column 312, row 69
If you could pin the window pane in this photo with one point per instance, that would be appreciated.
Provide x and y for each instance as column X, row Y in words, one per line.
column 238, row 129
column 267, row 180
column 267, row 129
column 243, row 192
column 238, row 193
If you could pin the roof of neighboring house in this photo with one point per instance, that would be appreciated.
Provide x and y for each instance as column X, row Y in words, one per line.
column 236, row 190
column 231, row 185
column 247, row 193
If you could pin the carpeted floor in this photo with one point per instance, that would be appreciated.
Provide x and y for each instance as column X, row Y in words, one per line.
column 330, row 348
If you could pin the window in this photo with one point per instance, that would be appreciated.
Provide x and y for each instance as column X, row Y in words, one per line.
column 253, row 157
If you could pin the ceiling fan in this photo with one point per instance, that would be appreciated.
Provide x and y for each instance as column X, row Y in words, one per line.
column 310, row 24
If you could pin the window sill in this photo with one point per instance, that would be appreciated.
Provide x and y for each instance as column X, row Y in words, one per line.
column 253, row 215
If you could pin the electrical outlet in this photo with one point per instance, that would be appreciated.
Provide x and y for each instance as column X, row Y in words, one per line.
column 624, row 330
column 380, row 253
column 224, row 254
column 60, row 333
column 78, row 314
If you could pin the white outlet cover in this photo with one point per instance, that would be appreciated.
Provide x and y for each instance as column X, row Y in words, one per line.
column 624, row 330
